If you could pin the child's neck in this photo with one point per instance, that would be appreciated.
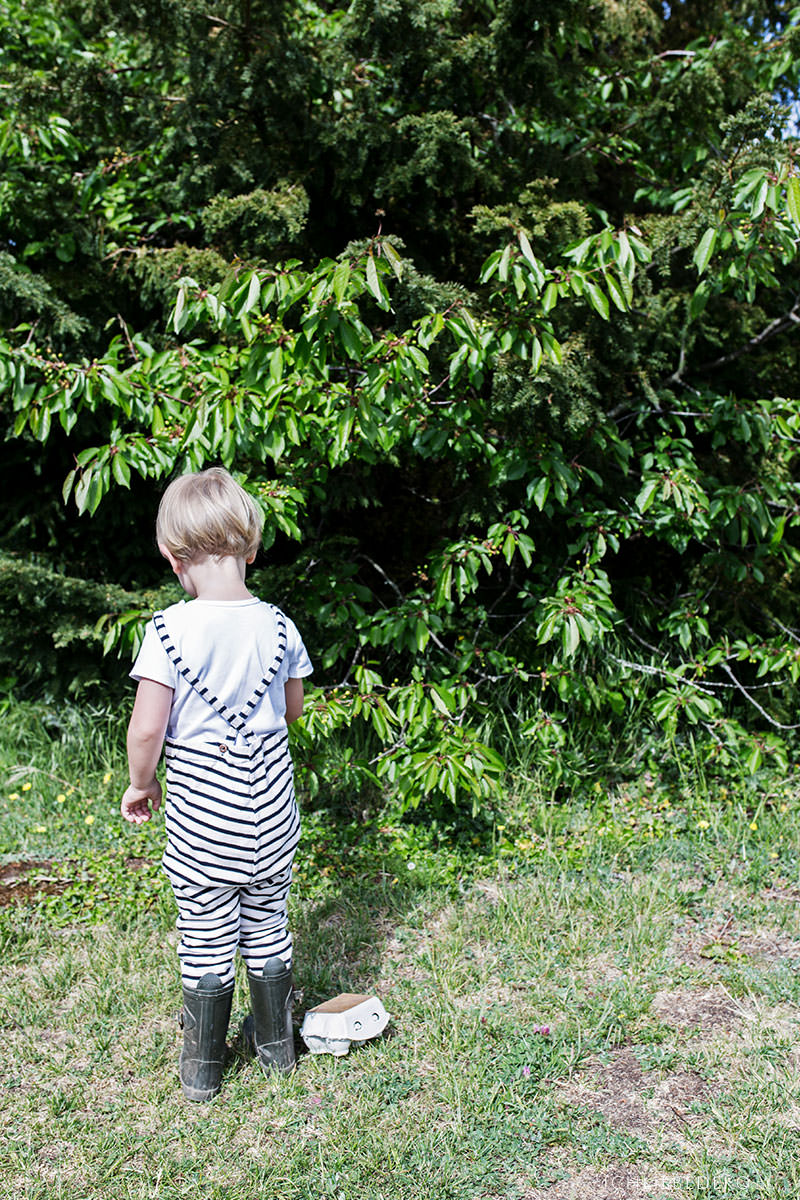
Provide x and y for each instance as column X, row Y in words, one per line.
column 220, row 579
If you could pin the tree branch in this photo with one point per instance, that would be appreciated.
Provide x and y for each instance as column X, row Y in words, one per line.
column 755, row 703
column 779, row 325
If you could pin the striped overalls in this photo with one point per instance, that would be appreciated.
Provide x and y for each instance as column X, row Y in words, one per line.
column 232, row 831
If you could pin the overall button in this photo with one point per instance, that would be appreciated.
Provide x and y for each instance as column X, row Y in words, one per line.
column 223, row 749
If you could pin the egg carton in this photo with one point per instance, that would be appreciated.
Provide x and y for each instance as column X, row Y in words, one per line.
column 332, row 1026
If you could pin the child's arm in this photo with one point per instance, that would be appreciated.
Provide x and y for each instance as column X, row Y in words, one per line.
column 293, row 691
column 145, row 738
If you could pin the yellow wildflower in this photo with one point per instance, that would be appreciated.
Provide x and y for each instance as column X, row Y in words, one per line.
column 26, row 787
column 40, row 829
column 13, row 796
column 60, row 798
column 107, row 777
column 702, row 824
column 754, row 825
column 89, row 820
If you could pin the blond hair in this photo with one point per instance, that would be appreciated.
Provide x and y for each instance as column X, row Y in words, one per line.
column 208, row 513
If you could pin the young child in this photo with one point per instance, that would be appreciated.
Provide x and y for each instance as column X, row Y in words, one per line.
column 221, row 677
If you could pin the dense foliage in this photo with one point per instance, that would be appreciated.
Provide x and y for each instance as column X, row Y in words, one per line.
column 492, row 306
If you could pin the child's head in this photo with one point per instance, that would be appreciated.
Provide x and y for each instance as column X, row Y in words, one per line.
column 208, row 514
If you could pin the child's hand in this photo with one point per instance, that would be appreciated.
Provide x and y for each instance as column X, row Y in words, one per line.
column 136, row 802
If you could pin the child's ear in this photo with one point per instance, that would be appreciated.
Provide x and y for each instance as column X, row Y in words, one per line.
column 251, row 558
column 171, row 559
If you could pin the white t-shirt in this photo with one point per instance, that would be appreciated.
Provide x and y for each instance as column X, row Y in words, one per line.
column 231, row 645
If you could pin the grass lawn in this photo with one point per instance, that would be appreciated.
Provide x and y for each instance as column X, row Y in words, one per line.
column 591, row 1001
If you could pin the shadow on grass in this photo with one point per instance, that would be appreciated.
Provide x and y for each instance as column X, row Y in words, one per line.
column 341, row 939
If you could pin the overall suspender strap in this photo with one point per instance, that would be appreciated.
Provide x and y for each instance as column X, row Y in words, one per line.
column 280, row 654
column 237, row 720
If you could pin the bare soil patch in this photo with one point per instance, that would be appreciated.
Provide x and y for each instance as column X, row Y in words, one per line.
column 20, row 881
column 702, row 945
column 633, row 1100
column 704, row 1009
column 601, row 966
column 617, row 1182
column 768, row 945
column 612, row 1089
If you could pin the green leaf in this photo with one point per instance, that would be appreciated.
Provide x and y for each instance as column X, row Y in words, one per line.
column 253, row 293
column 178, row 317
column 395, row 261
column 341, row 278
column 597, row 299
column 550, row 297
column 349, row 339
column 120, row 470
column 552, row 347
column 647, row 495
column 444, row 587
column 373, row 283
column 626, row 288
column 625, row 252
column 530, row 257
column 43, row 430
column 793, row 199
column 490, row 266
column 442, row 699
column 570, row 636
column 705, row 249
column 699, row 298
column 747, row 184
column 525, row 546
column 540, row 492
column 82, row 490
column 67, row 487
column 760, row 198
column 616, row 294
column 344, row 427
column 525, row 247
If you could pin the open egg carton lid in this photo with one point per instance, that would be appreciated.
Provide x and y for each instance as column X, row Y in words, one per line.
column 333, row 1025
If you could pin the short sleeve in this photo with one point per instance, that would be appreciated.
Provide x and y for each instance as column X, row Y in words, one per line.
column 152, row 661
column 297, row 661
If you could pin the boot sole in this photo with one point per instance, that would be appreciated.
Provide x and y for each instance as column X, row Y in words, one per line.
column 199, row 1096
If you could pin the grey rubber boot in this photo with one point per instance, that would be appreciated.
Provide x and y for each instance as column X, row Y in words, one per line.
column 205, row 1016
column 269, row 1029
